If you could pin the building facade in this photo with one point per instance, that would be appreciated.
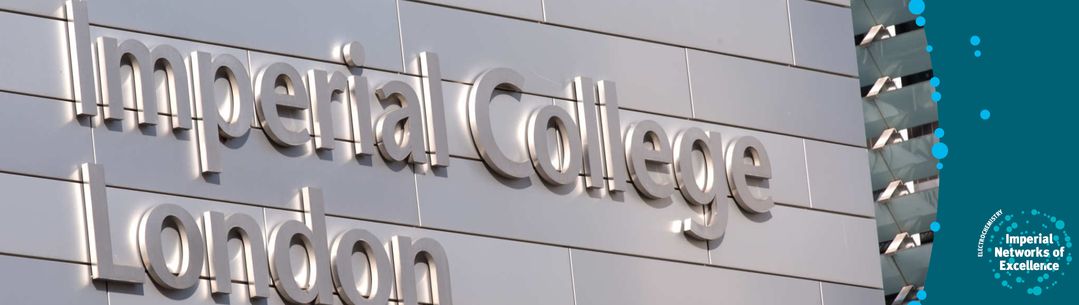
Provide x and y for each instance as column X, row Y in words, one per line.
column 901, row 125
column 436, row 152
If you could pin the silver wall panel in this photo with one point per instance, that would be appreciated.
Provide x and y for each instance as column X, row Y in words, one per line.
column 801, row 242
column 49, row 8
column 836, row 294
column 746, row 93
column 148, row 293
column 509, row 114
column 789, row 184
column 487, row 271
column 484, row 271
column 307, row 29
column 839, row 179
column 601, row 278
column 846, row 3
column 184, row 47
column 650, row 76
column 823, row 37
column 48, row 283
column 34, row 58
column 126, row 208
column 256, row 172
column 41, row 137
column 341, row 115
column 471, row 199
column 528, row 9
column 30, row 200
column 750, row 28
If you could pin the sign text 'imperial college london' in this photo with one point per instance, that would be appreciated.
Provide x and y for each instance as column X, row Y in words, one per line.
column 591, row 141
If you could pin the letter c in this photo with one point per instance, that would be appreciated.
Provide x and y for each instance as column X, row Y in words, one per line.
column 479, row 121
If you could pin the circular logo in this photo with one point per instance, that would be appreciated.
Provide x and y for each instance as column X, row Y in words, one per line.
column 1027, row 251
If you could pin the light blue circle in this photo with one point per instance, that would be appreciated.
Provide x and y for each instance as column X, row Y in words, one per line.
column 977, row 53
column 935, row 81
column 1037, row 290
column 1010, row 229
column 1041, row 279
column 936, row 96
column 939, row 132
column 929, row 48
column 1060, row 224
column 975, row 40
column 996, row 229
column 940, row 166
column 916, row 7
column 996, row 275
column 921, row 294
column 935, row 226
column 984, row 114
column 1004, row 283
column 940, row 150
column 920, row 21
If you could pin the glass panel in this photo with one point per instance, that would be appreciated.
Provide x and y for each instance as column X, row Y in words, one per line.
column 914, row 212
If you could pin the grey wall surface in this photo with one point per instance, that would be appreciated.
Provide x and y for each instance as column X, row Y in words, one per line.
column 782, row 71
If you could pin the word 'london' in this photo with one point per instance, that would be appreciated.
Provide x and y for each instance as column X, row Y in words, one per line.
column 414, row 133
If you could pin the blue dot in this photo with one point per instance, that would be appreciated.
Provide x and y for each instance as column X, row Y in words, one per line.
column 996, row 275
column 996, row 229
column 939, row 132
column 977, row 53
column 935, row 226
column 1004, row 283
column 921, row 294
column 1037, row 290
column 940, row 166
column 935, row 81
column 916, row 7
column 936, row 96
column 920, row 21
column 1060, row 225
column 975, row 40
column 984, row 114
column 929, row 48
column 940, row 150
